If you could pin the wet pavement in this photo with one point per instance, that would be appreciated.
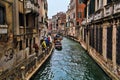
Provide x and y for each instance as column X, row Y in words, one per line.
column 71, row 63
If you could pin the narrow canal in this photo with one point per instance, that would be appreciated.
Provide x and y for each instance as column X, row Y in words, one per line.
column 71, row 63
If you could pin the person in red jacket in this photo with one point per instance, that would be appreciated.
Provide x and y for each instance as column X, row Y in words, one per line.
column 36, row 48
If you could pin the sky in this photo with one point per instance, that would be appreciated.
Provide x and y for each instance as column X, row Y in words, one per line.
column 55, row 6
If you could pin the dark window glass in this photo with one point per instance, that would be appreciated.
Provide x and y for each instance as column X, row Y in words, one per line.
column 77, row 23
column 42, row 19
column 85, row 12
column 91, row 7
column 2, row 15
column 26, row 42
column 118, row 45
column 20, row 47
column 109, row 1
column 109, row 43
column 21, row 19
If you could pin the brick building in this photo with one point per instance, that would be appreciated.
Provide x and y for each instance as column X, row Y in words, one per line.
column 75, row 15
column 59, row 22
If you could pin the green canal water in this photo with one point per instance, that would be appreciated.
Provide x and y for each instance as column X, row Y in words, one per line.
column 71, row 63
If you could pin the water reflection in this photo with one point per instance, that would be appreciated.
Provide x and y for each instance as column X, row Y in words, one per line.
column 71, row 63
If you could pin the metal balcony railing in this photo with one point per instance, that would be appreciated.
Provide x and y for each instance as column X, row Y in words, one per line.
column 29, row 31
column 31, row 7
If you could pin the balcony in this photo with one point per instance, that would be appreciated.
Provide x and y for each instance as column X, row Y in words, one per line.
column 90, row 18
column 71, row 20
column 30, row 7
column 99, row 14
column 29, row 30
column 21, row 30
column 108, row 10
column 117, row 7
column 84, row 21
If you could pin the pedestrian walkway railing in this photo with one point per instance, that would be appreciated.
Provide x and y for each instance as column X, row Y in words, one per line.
column 25, row 67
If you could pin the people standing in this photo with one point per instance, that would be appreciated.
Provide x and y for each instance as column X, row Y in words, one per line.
column 43, row 43
column 36, row 48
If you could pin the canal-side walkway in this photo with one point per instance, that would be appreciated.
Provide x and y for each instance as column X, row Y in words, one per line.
column 106, row 66
column 39, row 64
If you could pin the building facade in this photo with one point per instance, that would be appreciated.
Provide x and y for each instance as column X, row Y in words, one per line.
column 43, row 18
column 75, row 15
column 59, row 23
column 100, row 32
column 49, row 26
column 19, row 31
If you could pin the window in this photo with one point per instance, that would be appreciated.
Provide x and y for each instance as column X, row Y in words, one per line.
column 20, row 47
column 26, row 43
column 73, row 15
column 30, row 46
column 42, row 19
column 2, row 15
column 77, row 23
column 81, row 1
column 79, row 15
column 91, row 7
column 109, row 1
column 3, row 38
column 21, row 19
column 33, row 40
column 85, row 12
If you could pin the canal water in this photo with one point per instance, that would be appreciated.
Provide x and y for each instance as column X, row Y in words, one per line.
column 71, row 63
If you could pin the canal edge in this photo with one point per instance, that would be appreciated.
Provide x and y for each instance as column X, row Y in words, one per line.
column 39, row 65
column 96, row 58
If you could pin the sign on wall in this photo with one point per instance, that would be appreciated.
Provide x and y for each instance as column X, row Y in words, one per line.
column 3, row 29
column 3, row 32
